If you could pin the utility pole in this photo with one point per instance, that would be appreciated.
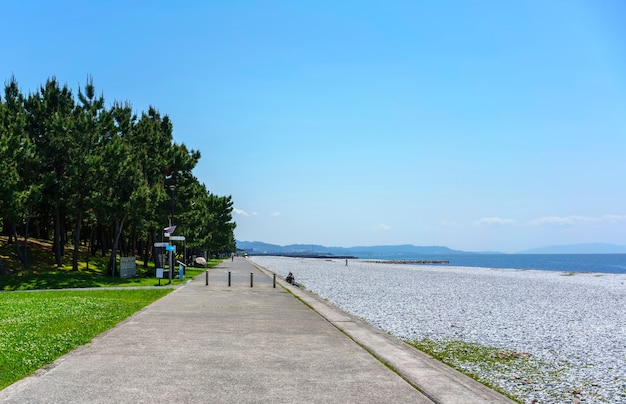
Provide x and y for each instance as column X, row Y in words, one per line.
column 172, row 227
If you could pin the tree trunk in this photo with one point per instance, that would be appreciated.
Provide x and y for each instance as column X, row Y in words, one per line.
column 5, row 229
column 64, row 237
column 16, row 242
column 122, row 245
column 103, row 243
column 133, row 243
column 145, row 250
column 26, row 232
column 119, row 224
column 155, row 254
column 57, row 238
column 79, row 220
column 93, row 240
column 89, row 244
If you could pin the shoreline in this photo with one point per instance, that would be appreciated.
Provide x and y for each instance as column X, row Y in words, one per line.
column 571, row 324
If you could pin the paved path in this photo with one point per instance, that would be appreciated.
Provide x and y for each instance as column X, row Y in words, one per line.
column 243, row 344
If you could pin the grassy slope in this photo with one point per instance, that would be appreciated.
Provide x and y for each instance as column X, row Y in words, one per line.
column 44, row 275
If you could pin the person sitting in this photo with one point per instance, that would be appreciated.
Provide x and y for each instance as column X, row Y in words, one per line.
column 289, row 278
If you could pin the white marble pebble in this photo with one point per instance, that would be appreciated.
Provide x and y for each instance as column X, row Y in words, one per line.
column 573, row 326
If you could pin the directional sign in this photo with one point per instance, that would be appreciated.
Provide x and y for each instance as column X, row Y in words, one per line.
column 161, row 244
column 170, row 248
column 177, row 238
column 170, row 229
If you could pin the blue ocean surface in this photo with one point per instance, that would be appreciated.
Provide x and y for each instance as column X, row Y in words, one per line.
column 606, row 263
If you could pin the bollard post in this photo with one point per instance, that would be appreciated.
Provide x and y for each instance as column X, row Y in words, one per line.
column 251, row 275
column 274, row 281
column 229, row 278
column 207, row 278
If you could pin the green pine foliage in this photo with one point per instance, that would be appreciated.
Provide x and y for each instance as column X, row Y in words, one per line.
column 75, row 171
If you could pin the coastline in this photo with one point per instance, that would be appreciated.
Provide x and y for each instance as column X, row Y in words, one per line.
column 571, row 325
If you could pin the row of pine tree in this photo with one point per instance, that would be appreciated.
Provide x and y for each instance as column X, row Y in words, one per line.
column 76, row 171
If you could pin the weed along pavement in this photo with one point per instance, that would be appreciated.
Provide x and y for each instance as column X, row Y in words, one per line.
column 249, row 342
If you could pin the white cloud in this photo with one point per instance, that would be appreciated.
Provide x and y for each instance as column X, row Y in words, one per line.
column 576, row 220
column 614, row 218
column 559, row 220
column 275, row 214
column 382, row 226
column 242, row 212
column 494, row 221
column 572, row 220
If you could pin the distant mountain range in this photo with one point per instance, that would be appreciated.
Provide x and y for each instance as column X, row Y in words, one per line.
column 388, row 251
column 410, row 251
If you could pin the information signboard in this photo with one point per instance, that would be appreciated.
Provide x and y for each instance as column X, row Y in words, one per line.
column 128, row 267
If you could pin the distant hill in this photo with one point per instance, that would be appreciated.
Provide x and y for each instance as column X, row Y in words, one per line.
column 587, row 248
column 408, row 251
column 388, row 251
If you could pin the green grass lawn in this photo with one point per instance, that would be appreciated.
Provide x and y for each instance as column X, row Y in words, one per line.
column 43, row 274
column 38, row 327
column 66, row 278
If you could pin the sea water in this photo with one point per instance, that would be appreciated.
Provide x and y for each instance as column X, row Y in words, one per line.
column 607, row 263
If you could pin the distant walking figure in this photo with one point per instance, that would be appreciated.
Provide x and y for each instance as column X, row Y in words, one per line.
column 346, row 262
column 232, row 256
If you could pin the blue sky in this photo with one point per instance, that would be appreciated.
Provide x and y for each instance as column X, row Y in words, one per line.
column 478, row 125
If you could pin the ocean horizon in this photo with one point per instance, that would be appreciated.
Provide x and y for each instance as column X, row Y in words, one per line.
column 602, row 263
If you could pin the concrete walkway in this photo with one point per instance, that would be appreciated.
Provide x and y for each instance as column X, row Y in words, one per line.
column 243, row 344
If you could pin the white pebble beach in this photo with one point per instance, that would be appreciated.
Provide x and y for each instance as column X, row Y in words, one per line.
column 571, row 325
